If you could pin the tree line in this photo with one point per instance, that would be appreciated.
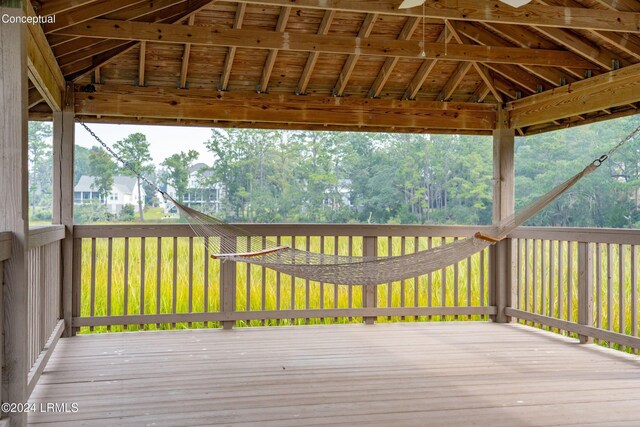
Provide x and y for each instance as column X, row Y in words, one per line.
column 333, row 177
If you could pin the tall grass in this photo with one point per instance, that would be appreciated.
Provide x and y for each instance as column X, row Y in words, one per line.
column 256, row 288
column 262, row 289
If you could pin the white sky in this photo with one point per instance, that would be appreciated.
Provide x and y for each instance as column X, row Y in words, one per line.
column 164, row 140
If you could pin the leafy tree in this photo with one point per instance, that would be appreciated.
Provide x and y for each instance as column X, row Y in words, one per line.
column 102, row 168
column 127, row 213
column 134, row 150
column 40, row 166
column 81, row 163
column 176, row 171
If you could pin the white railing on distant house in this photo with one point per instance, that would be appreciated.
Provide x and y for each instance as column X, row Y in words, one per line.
column 581, row 281
column 112, row 261
column 44, row 296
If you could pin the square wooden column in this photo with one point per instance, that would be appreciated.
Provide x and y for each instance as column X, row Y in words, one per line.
column 503, row 207
column 14, row 206
column 63, row 155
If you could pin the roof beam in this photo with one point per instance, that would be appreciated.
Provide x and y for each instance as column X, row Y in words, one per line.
column 484, row 37
column 350, row 63
column 231, row 53
column 42, row 67
column 263, row 86
column 196, row 104
column 184, row 69
column 141, row 63
column 605, row 91
column 55, row 7
column 174, row 14
column 165, row 33
column 390, row 63
column 86, row 13
column 453, row 82
column 483, row 11
column 305, row 77
column 425, row 68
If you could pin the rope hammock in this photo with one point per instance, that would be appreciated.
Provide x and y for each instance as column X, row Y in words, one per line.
column 231, row 243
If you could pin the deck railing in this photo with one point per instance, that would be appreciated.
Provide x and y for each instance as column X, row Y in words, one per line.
column 578, row 281
column 44, row 293
column 5, row 254
column 154, row 276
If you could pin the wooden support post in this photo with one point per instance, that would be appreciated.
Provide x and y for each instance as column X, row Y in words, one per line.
column 63, row 155
column 14, row 206
column 369, row 248
column 585, row 288
column 503, row 207
column 228, row 284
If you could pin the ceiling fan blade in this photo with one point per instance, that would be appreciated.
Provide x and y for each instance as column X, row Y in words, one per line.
column 515, row 3
column 408, row 4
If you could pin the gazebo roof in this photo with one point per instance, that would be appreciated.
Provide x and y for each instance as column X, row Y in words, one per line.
column 344, row 64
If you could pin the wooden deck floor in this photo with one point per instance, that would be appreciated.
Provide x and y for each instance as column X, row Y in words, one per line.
column 387, row 374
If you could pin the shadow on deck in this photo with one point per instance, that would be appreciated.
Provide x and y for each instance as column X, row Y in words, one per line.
column 408, row 374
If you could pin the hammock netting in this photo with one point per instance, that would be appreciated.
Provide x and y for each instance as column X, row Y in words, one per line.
column 231, row 243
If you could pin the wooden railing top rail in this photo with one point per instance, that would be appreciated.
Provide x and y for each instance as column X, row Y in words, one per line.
column 40, row 236
column 5, row 245
column 183, row 230
column 595, row 235
column 589, row 235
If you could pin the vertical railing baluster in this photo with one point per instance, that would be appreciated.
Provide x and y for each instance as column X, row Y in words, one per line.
column 552, row 276
column 570, row 281
column 369, row 297
column 190, row 277
column 125, row 281
column 622, row 294
column 634, row 291
column 109, row 275
column 585, row 287
column 142, row 276
column 610, row 286
column 158, row 278
column 174, row 291
column 599, row 285
column 92, row 299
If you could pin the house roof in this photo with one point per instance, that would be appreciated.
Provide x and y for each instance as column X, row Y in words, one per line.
column 121, row 183
column 349, row 65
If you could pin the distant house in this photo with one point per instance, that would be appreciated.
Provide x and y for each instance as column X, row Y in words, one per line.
column 123, row 192
column 203, row 197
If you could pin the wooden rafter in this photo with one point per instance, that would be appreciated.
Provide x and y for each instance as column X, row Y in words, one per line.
column 579, row 45
column 231, row 52
column 175, row 14
column 267, row 69
column 305, row 77
column 42, row 67
column 197, row 104
column 378, row 46
column 453, row 82
column 88, row 12
column 78, row 48
column 607, row 90
column 481, row 69
column 624, row 41
column 352, row 59
column 55, row 7
column 425, row 68
column 389, row 64
column 525, row 38
column 484, row 37
column 184, row 69
column 141, row 63
column 484, row 11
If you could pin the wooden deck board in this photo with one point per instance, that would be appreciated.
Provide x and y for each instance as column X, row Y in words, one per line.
column 403, row 374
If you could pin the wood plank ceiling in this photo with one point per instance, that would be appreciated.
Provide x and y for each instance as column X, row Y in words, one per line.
column 341, row 64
